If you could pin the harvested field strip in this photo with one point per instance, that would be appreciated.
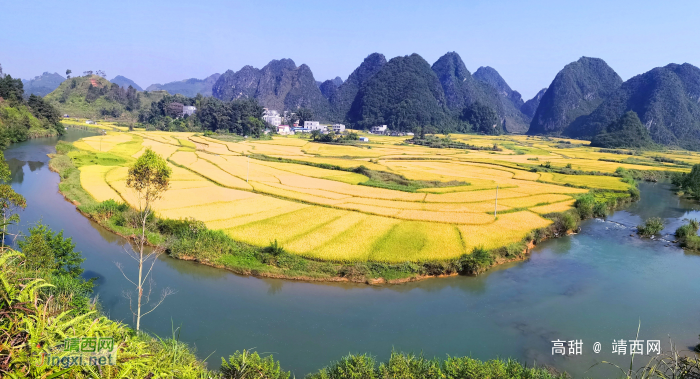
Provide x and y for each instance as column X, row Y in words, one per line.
column 417, row 241
column 254, row 217
column 554, row 207
column 224, row 210
column 286, row 226
column 509, row 228
column 92, row 179
column 354, row 244
column 535, row 200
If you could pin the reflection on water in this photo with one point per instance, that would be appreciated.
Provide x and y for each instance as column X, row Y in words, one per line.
column 593, row 286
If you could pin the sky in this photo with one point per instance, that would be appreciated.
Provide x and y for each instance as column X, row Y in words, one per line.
column 528, row 42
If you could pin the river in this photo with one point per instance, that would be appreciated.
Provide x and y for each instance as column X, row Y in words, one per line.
column 595, row 286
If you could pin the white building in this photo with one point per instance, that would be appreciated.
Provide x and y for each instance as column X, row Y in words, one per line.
column 272, row 117
column 380, row 129
column 284, row 130
column 338, row 128
column 314, row 125
column 364, row 139
column 188, row 110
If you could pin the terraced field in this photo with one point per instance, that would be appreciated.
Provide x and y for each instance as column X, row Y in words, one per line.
column 328, row 214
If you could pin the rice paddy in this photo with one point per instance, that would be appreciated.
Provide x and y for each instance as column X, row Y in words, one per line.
column 328, row 214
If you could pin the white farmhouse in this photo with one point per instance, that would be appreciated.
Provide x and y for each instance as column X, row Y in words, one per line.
column 380, row 129
column 314, row 125
column 284, row 130
column 272, row 117
column 338, row 128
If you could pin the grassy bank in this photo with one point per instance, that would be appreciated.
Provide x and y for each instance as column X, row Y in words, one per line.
column 190, row 239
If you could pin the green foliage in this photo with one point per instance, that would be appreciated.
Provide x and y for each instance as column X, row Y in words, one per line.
column 477, row 262
column 445, row 142
column 651, row 226
column 242, row 117
column 403, row 94
column 410, row 366
column 688, row 235
column 625, row 132
column 576, row 91
column 664, row 100
column 483, row 118
column 390, row 180
column 49, row 251
column 689, row 182
column 247, row 365
column 150, row 177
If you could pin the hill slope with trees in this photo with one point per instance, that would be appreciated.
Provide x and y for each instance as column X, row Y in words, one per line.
column 341, row 100
column 625, row 132
column 667, row 100
column 405, row 93
column 576, row 91
column 95, row 97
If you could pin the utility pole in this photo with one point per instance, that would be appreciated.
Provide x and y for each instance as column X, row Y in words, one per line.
column 495, row 209
column 247, row 175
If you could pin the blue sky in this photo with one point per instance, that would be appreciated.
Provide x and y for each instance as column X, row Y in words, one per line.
column 528, row 42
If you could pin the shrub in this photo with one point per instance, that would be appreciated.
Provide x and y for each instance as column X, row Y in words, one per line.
column 247, row 365
column 651, row 227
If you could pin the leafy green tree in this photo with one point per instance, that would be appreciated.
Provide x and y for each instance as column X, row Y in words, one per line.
column 68, row 72
column 304, row 114
column 11, row 89
column 689, row 182
column 149, row 177
column 10, row 201
column 43, row 243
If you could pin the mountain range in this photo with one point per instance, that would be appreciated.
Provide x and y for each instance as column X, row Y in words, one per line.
column 188, row 87
column 43, row 84
column 585, row 99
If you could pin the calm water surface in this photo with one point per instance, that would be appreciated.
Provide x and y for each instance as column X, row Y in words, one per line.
column 594, row 286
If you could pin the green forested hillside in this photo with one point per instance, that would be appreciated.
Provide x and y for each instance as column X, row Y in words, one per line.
column 405, row 93
column 341, row 99
column 626, row 132
column 576, row 91
column 666, row 100
column 21, row 119
column 95, row 97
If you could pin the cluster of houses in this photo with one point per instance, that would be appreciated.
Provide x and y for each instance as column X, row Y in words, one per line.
column 273, row 118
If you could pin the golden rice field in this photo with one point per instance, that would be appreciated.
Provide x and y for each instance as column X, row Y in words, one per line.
column 327, row 214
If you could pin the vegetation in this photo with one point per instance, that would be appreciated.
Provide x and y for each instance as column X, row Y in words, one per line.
column 687, row 235
column 576, row 91
column 403, row 94
column 626, row 132
column 22, row 119
column 688, row 182
column 651, row 227
column 446, row 142
column 483, row 118
column 663, row 100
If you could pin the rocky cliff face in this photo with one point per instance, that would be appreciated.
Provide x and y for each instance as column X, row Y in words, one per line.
column 280, row 85
column 342, row 99
column 530, row 107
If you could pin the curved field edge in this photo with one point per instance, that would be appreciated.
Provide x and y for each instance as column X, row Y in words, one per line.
column 215, row 248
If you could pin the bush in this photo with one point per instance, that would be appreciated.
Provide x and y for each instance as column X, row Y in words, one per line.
column 247, row 365
column 651, row 227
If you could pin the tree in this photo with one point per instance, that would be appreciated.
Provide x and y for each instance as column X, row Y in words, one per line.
column 149, row 177
column 11, row 89
column 1, row 74
column 10, row 201
column 304, row 114
column 483, row 118
column 51, row 251
column 68, row 72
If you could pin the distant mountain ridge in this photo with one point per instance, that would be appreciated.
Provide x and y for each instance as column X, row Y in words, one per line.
column 530, row 107
column 125, row 82
column 43, row 84
column 188, row 87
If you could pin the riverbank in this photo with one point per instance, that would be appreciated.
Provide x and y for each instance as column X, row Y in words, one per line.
column 191, row 240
